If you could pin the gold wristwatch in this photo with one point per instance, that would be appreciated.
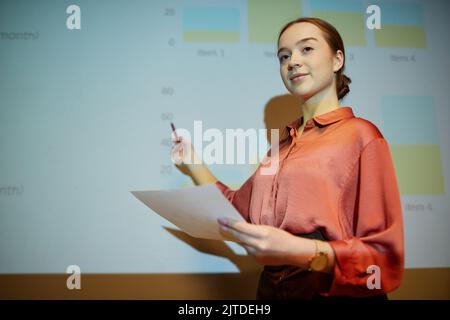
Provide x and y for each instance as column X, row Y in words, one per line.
column 319, row 261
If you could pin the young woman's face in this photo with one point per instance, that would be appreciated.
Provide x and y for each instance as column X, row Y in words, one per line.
column 303, row 51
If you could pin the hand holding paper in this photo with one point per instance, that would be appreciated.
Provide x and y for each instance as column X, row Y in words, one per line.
column 194, row 210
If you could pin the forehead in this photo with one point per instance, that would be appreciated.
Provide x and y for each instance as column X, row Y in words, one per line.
column 300, row 31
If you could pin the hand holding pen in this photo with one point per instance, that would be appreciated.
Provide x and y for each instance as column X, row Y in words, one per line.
column 186, row 160
column 182, row 153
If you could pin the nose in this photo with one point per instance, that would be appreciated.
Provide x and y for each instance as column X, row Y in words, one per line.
column 294, row 61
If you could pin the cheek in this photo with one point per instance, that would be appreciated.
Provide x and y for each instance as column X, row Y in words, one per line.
column 284, row 74
column 283, row 71
column 322, row 71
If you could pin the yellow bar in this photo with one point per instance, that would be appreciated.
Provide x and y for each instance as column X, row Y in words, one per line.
column 211, row 36
column 396, row 36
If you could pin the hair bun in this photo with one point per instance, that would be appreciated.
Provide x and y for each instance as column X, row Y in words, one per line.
column 343, row 86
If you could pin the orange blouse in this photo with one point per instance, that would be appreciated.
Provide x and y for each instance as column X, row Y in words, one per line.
column 336, row 177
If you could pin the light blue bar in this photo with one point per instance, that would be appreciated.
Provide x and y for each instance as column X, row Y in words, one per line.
column 337, row 5
column 409, row 120
column 211, row 19
column 401, row 13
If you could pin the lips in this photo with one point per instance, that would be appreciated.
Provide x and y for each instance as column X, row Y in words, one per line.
column 297, row 76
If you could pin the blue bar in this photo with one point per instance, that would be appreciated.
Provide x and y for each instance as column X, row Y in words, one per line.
column 401, row 14
column 409, row 119
column 211, row 19
column 338, row 6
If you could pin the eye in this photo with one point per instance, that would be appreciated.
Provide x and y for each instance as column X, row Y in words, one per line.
column 307, row 49
column 283, row 57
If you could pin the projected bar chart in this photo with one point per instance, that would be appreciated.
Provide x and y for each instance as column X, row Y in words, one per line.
column 211, row 24
column 346, row 16
column 409, row 125
column 402, row 26
column 267, row 17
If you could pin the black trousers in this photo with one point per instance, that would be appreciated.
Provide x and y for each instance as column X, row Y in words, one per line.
column 291, row 282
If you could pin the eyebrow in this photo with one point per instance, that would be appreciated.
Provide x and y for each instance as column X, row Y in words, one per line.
column 297, row 43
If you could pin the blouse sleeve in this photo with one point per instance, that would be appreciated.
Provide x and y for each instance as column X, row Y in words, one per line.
column 376, row 224
column 239, row 198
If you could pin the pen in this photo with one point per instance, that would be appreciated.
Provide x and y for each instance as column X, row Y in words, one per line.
column 175, row 132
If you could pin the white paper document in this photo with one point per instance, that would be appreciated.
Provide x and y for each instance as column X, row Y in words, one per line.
column 194, row 210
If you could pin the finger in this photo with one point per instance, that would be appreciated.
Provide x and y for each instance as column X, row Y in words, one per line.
column 176, row 139
column 238, row 236
column 178, row 145
column 250, row 250
column 242, row 227
column 228, row 237
column 176, row 157
column 178, row 149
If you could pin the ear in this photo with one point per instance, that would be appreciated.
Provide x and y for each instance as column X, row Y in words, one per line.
column 338, row 61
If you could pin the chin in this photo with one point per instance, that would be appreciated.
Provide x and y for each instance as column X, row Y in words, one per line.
column 301, row 93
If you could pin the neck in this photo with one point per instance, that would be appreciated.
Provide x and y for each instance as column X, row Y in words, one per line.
column 322, row 102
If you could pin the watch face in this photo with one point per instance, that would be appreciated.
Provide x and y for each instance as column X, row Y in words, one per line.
column 319, row 262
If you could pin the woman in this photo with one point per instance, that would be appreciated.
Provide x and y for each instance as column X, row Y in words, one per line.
column 329, row 222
